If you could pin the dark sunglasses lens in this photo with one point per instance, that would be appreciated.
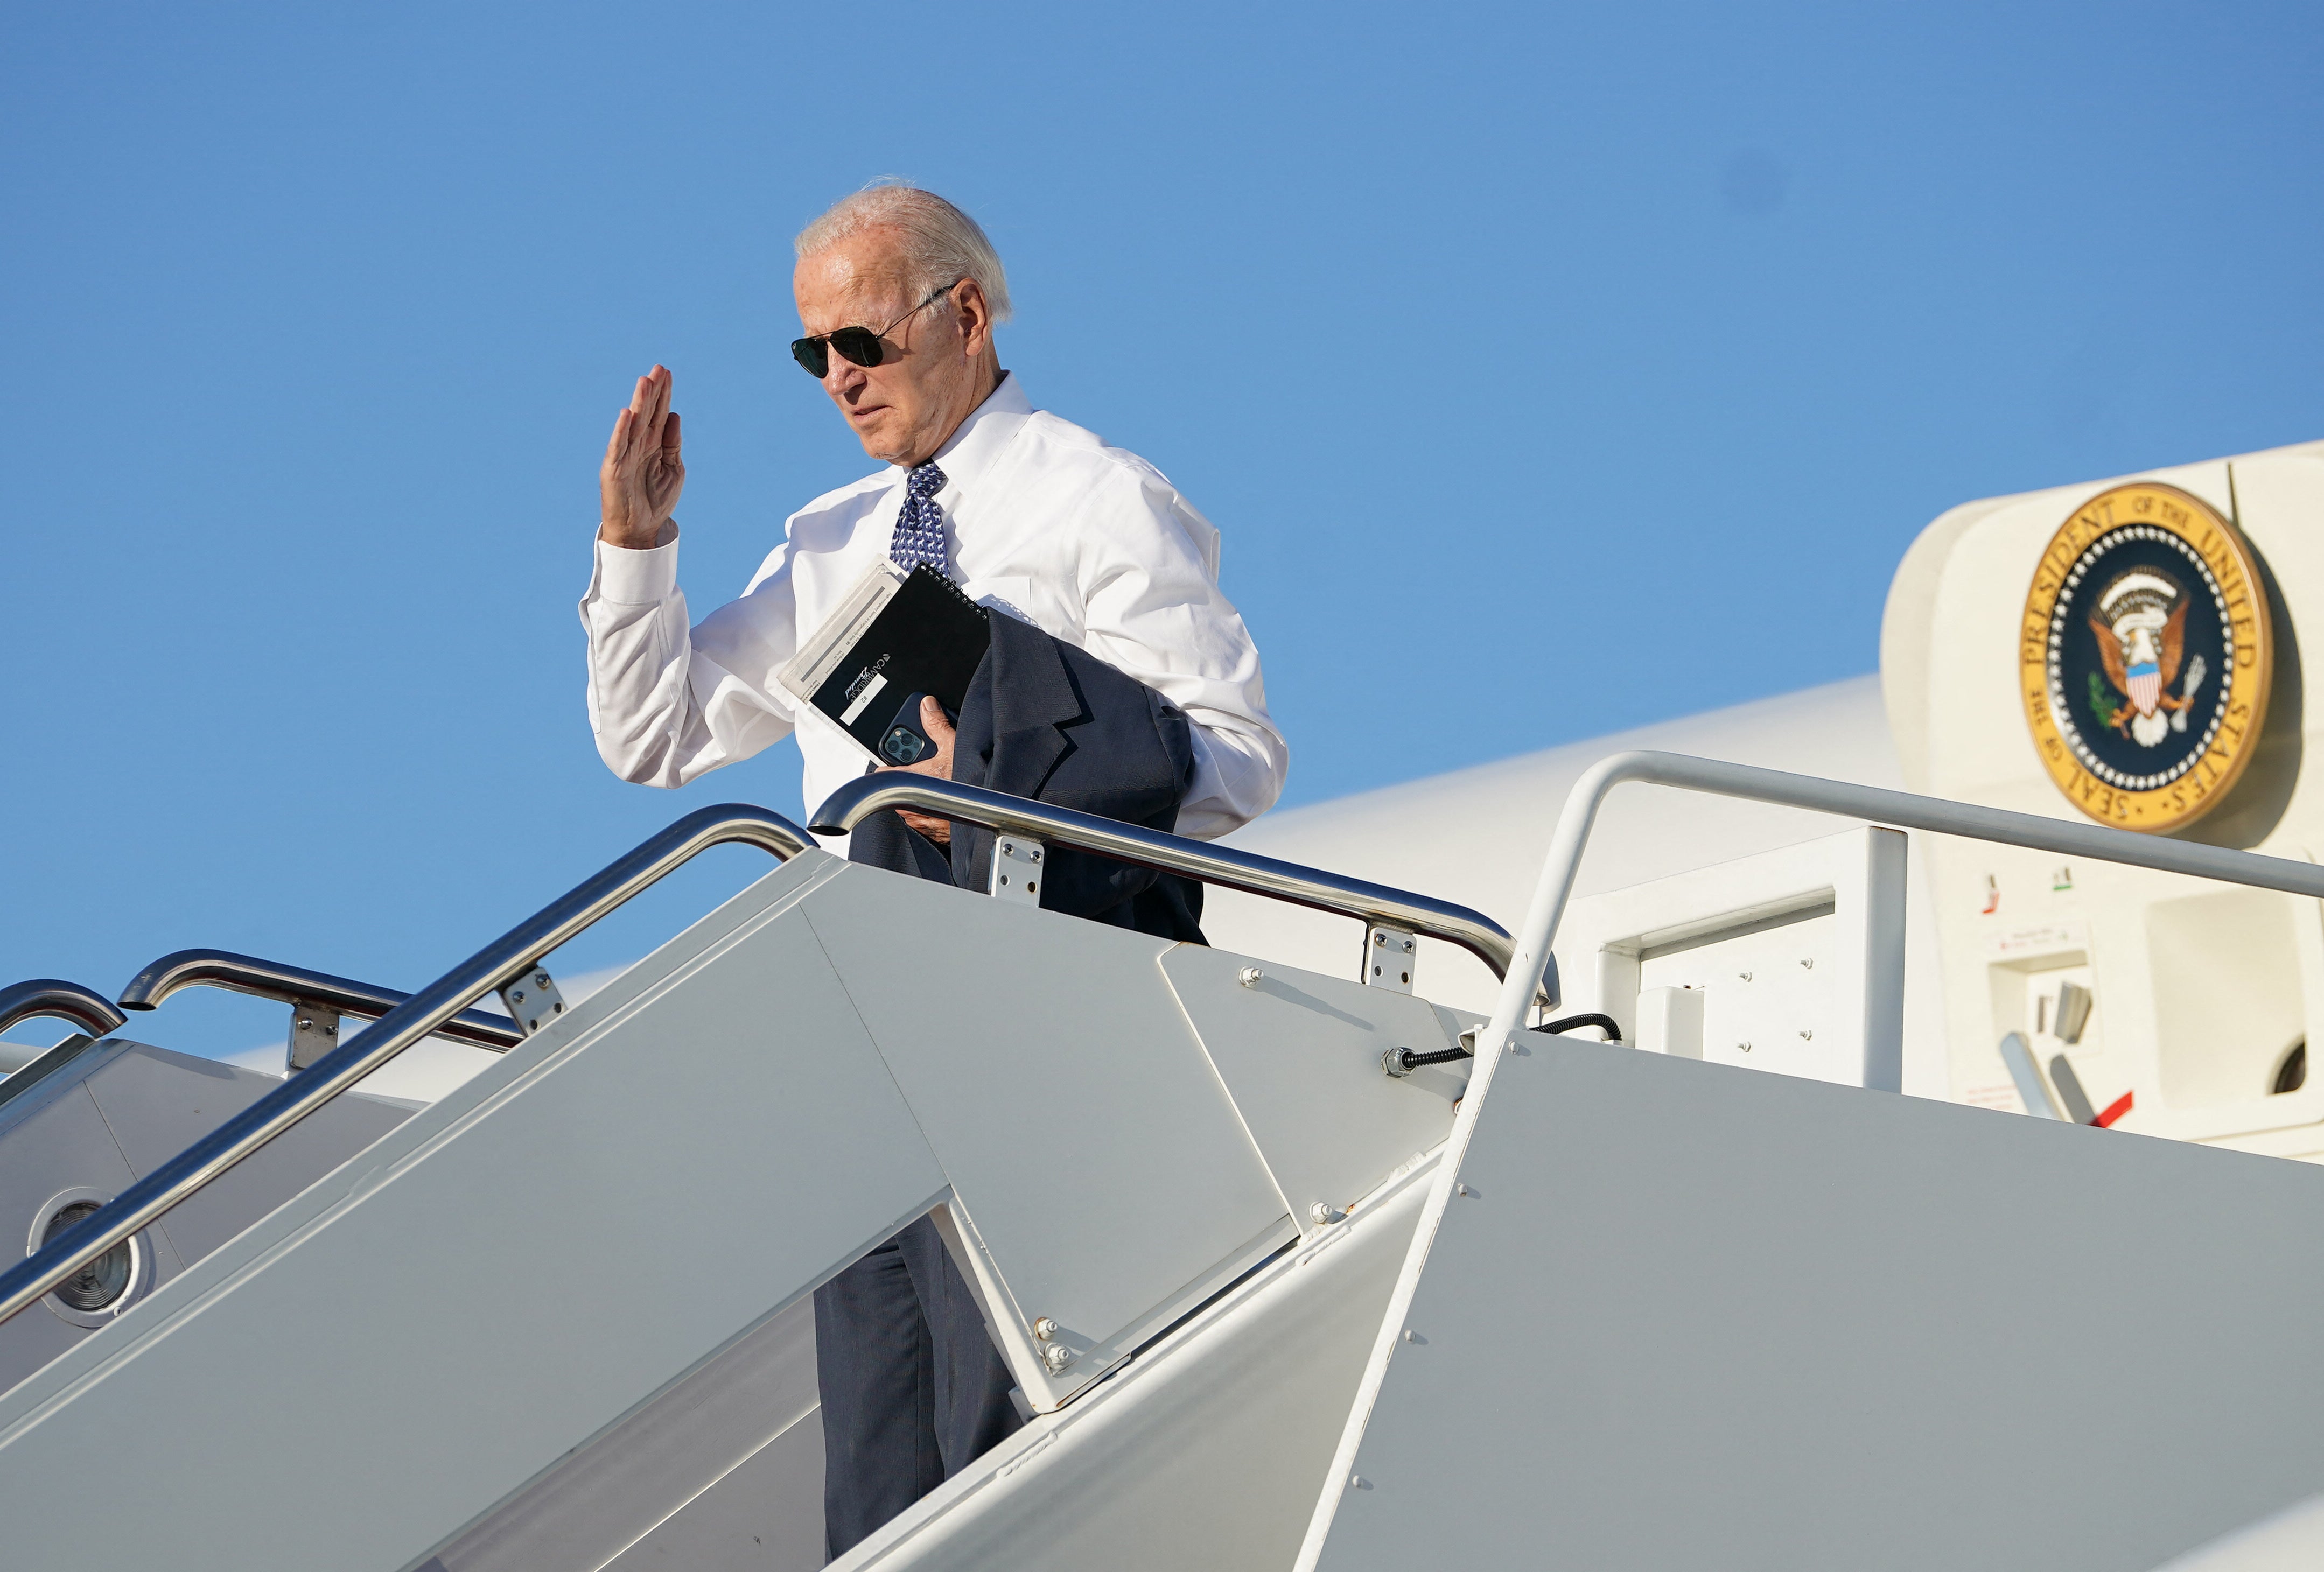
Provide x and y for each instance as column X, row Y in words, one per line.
column 809, row 353
column 858, row 344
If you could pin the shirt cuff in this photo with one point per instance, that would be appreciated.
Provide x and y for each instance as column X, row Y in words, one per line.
column 639, row 578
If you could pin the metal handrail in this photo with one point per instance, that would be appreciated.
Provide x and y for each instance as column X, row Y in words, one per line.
column 89, row 1010
column 295, row 985
column 421, row 1015
column 1935, row 816
column 61, row 1000
column 1247, row 871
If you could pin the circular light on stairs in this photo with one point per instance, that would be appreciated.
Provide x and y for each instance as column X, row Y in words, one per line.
column 101, row 1284
column 108, row 1285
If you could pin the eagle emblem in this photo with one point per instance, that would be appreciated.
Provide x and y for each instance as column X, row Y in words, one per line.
column 2141, row 625
column 2143, row 655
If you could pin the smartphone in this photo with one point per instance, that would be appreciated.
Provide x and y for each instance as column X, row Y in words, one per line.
column 904, row 743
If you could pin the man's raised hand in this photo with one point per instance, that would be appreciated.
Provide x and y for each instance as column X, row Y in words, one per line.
column 639, row 483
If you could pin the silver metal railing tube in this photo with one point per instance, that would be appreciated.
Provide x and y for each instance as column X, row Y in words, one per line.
column 860, row 799
column 1719, row 778
column 1936, row 815
column 502, row 960
column 271, row 979
column 91, row 1011
column 59, row 1000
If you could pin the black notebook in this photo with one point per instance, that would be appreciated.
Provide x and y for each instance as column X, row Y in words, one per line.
column 896, row 635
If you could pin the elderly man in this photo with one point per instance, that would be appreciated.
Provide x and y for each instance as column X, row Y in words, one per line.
column 898, row 293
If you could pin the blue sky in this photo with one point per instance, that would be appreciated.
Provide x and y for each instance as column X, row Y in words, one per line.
column 1548, row 370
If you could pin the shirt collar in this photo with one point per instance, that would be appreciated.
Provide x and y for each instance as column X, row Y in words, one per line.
column 971, row 449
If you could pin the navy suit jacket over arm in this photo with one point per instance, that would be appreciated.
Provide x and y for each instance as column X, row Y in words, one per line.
column 1046, row 720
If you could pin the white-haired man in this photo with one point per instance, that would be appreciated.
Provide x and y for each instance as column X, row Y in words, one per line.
column 898, row 293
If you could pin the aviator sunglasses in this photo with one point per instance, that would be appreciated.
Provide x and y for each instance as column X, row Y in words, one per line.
column 856, row 345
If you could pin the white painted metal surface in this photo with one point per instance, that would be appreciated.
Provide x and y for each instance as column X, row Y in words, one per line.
column 1095, row 1155
column 1300, row 1056
column 721, row 1469
column 1478, row 835
column 1795, row 958
column 112, row 1115
column 1685, row 1316
column 481, row 1339
column 1203, row 1452
column 1556, row 882
column 2291, row 1540
column 378, row 1364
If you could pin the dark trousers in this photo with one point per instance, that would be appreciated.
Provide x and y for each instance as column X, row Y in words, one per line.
column 913, row 1389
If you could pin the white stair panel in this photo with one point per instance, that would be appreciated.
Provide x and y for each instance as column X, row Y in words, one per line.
column 374, row 1365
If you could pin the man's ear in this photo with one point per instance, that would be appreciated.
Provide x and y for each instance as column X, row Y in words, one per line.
column 976, row 316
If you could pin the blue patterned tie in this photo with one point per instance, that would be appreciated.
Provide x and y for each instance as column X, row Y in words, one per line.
column 920, row 523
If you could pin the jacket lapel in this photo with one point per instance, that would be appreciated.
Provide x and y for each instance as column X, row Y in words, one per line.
column 1025, row 689
column 1034, row 701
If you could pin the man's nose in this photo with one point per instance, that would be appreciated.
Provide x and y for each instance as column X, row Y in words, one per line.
column 843, row 376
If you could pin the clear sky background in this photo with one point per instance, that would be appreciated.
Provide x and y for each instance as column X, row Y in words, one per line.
column 1548, row 370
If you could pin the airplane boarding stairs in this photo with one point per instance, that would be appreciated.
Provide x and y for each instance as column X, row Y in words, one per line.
column 1644, row 1312
column 636, row 1202
column 81, row 1121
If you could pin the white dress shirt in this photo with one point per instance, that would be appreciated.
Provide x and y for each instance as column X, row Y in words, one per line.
column 1045, row 521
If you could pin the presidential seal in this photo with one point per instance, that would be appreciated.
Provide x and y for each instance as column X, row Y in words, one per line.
column 2143, row 656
